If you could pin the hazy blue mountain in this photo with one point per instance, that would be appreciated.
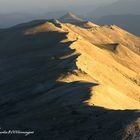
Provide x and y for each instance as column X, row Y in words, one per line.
column 15, row 12
column 120, row 7
column 130, row 23
column 12, row 19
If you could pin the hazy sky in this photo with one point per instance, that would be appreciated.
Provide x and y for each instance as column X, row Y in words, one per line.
column 7, row 6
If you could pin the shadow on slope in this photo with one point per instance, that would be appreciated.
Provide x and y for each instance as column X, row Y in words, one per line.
column 61, row 114
column 32, row 99
column 111, row 47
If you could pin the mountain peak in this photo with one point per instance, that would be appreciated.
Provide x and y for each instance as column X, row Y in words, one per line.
column 70, row 18
column 70, row 14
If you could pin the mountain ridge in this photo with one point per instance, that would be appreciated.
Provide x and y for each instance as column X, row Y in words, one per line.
column 66, row 80
column 81, row 36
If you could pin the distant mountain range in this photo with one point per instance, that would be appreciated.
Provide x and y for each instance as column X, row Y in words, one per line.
column 121, row 7
column 123, row 13
column 130, row 23
column 12, row 19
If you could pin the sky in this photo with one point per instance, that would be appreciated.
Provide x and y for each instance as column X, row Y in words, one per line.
column 8, row 6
